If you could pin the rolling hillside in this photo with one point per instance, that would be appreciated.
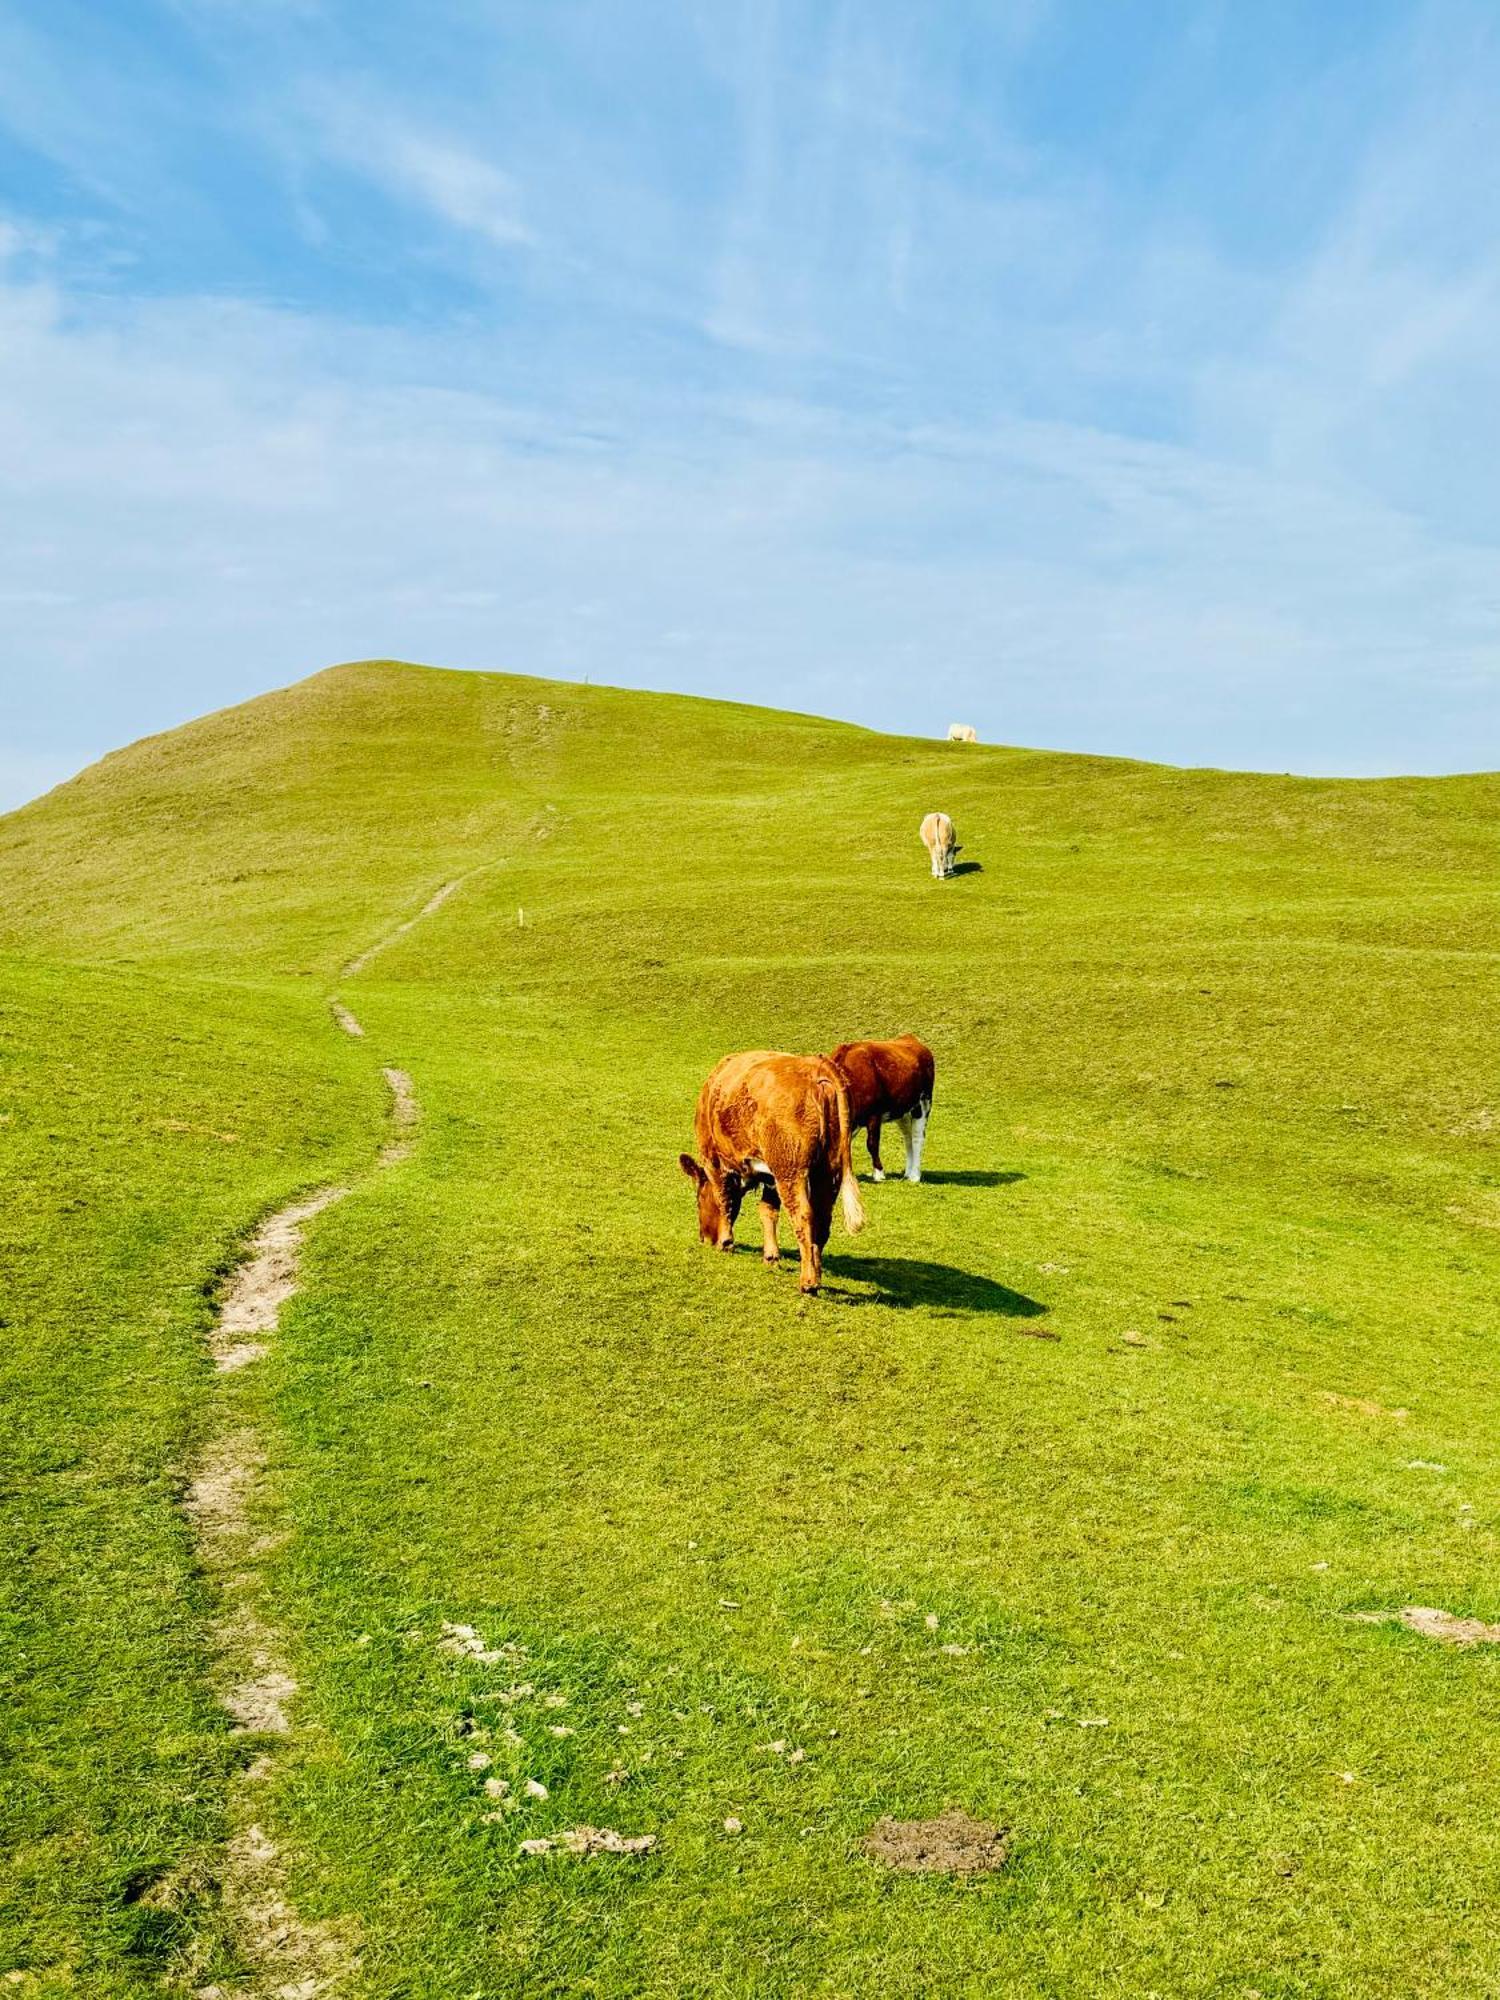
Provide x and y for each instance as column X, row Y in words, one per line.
column 1084, row 1498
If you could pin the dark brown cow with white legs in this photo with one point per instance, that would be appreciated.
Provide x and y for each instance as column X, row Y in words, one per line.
column 780, row 1124
column 889, row 1081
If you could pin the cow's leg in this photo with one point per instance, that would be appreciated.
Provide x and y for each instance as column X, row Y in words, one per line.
column 914, row 1132
column 770, row 1218
column 872, row 1133
column 822, row 1192
column 809, row 1246
column 903, row 1126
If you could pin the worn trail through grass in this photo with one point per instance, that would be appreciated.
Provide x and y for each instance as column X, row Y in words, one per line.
column 433, row 904
column 228, row 1508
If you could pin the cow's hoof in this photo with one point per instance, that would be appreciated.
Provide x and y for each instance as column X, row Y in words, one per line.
column 878, row 1175
column 808, row 1291
column 727, row 1248
column 771, row 1263
column 913, row 1178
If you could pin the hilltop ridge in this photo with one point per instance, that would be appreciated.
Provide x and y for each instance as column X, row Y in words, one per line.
column 294, row 819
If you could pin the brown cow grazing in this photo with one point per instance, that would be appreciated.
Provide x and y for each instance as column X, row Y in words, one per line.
column 937, row 838
column 889, row 1080
column 780, row 1124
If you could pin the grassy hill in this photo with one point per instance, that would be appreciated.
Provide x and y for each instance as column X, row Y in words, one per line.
column 1216, row 1112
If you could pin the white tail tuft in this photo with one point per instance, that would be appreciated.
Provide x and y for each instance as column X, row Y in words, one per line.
column 854, row 1208
column 832, row 1088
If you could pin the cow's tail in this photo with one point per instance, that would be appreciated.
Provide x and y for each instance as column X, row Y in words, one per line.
column 843, row 1163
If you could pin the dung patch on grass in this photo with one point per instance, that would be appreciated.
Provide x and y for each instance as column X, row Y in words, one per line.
column 952, row 1844
column 463, row 1642
column 584, row 1841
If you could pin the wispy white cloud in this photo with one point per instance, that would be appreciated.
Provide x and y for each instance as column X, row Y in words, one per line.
column 464, row 190
column 196, row 485
column 458, row 187
column 1380, row 364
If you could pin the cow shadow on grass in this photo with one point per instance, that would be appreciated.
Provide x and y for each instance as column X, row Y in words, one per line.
column 967, row 868
column 909, row 1281
column 968, row 1177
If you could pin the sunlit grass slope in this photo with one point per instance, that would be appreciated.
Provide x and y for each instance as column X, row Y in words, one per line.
column 1217, row 1108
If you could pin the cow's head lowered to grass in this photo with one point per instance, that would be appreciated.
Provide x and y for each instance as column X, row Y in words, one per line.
column 717, row 1207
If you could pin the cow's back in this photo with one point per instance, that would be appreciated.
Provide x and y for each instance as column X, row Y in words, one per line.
column 855, row 1062
column 885, row 1077
column 764, row 1101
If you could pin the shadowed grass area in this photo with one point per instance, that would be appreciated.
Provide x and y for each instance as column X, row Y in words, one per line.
column 911, row 1281
column 1215, row 1113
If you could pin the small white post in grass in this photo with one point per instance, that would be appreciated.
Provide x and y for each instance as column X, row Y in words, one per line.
column 521, row 919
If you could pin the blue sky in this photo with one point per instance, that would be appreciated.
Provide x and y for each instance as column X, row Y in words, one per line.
column 1116, row 375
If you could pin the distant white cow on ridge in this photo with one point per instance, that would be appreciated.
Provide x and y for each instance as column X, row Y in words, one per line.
column 962, row 732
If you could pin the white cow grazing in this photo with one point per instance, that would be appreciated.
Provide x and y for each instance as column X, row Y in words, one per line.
column 962, row 732
column 937, row 838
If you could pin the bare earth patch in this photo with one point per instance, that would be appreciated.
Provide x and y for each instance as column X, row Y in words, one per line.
column 952, row 1844
column 434, row 902
column 344, row 1018
column 1432, row 1623
column 218, row 1503
column 1477, row 1125
column 218, row 1494
column 256, row 1292
column 1482, row 1211
column 403, row 1116
column 292, row 1960
column 1363, row 1406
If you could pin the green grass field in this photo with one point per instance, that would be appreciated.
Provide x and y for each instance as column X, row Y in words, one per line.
column 1217, row 1108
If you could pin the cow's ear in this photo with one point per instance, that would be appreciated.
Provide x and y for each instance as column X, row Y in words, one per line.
column 691, row 1168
